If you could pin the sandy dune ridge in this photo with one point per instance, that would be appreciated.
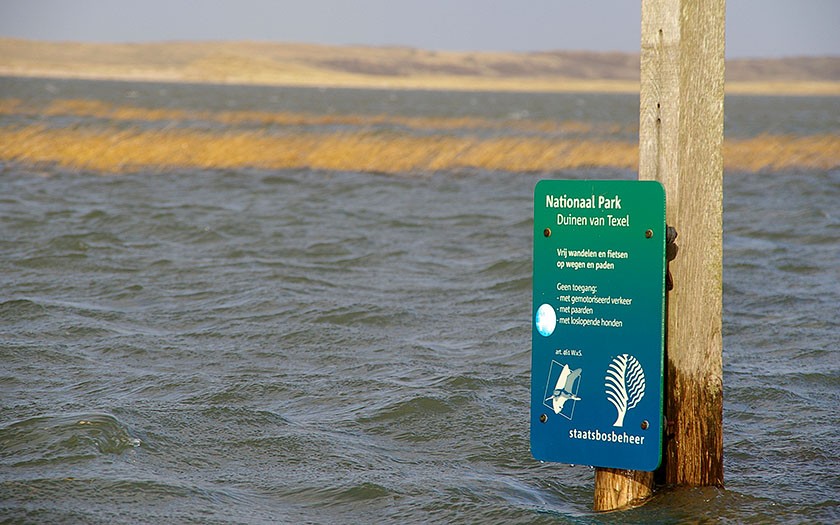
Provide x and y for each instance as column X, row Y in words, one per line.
column 292, row 64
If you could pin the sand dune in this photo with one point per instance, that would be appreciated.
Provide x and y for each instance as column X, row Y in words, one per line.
column 387, row 67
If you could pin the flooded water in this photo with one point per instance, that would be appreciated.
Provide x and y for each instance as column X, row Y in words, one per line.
column 314, row 346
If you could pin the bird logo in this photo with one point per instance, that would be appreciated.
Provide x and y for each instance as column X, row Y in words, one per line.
column 565, row 388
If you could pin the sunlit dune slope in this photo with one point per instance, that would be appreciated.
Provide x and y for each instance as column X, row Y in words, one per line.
column 387, row 67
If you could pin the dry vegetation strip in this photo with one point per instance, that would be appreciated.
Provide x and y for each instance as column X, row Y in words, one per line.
column 112, row 139
column 112, row 150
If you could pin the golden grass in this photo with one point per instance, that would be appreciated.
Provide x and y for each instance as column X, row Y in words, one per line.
column 113, row 139
column 115, row 151
column 774, row 152
column 112, row 150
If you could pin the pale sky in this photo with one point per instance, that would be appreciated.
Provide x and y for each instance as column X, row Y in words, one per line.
column 754, row 28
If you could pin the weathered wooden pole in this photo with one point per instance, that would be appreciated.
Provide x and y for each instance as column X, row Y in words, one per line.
column 680, row 145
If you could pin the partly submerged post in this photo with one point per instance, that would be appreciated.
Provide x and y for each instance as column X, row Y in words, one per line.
column 680, row 145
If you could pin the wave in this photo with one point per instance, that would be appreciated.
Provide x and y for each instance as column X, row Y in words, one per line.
column 64, row 438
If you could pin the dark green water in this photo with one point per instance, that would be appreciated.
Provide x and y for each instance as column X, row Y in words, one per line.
column 314, row 347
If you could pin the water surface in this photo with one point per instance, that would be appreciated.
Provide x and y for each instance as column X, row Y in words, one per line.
column 247, row 346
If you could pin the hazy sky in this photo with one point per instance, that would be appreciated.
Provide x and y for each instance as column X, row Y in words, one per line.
column 755, row 28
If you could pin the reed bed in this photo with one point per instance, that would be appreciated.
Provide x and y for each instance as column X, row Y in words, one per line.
column 115, row 139
column 113, row 150
column 119, row 150
column 776, row 152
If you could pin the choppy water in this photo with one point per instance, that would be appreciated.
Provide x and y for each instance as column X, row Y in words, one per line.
column 320, row 347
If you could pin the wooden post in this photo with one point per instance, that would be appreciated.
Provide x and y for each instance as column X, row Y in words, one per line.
column 680, row 145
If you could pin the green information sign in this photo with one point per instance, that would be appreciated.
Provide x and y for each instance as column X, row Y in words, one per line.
column 598, row 323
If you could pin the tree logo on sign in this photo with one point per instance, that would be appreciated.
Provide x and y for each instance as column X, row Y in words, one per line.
column 625, row 384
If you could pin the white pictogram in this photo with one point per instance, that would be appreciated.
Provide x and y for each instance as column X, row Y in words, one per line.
column 565, row 388
column 625, row 385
